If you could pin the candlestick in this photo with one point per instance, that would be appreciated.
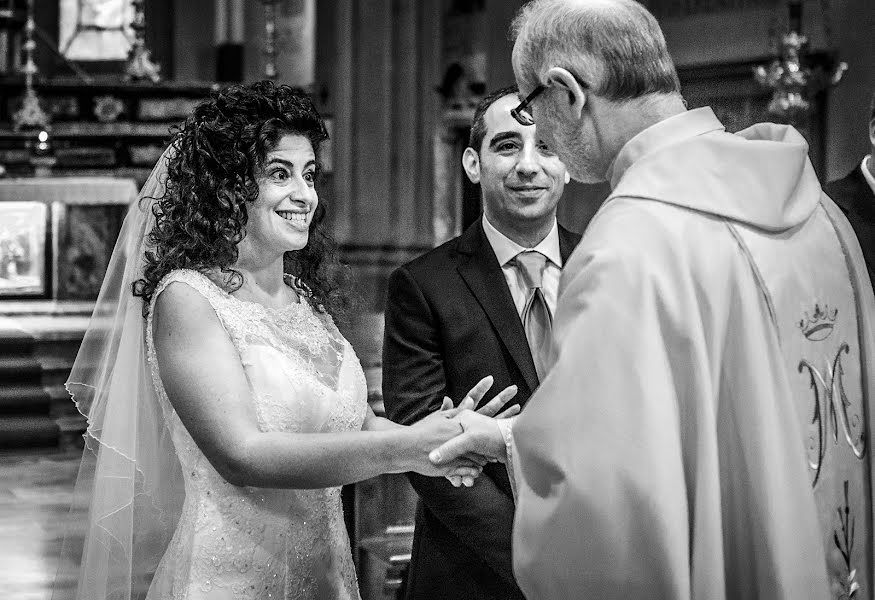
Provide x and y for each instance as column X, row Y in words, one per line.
column 270, row 39
column 31, row 113
column 795, row 11
column 140, row 64
column 793, row 80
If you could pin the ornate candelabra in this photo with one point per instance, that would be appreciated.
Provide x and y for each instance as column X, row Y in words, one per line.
column 140, row 65
column 270, row 38
column 791, row 78
column 31, row 114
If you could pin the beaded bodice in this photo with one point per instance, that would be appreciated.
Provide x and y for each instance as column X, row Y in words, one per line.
column 245, row 542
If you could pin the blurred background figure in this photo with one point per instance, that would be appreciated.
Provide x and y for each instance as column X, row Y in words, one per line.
column 855, row 194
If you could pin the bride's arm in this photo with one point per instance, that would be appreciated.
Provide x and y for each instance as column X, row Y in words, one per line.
column 375, row 423
column 205, row 382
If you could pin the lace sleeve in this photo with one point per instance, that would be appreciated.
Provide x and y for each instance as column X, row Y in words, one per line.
column 505, row 426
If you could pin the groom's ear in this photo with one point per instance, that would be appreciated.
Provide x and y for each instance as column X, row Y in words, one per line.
column 471, row 164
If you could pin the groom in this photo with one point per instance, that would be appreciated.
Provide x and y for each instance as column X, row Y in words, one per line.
column 706, row 428
column 454, row 316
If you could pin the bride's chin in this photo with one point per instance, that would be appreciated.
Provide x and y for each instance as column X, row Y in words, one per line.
column 297, row 246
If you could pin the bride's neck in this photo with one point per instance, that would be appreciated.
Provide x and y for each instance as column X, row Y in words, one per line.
column 263, row 282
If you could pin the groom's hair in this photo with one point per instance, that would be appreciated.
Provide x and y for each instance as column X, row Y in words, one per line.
column 478, row 123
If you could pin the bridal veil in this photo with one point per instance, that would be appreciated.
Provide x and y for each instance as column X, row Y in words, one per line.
column 129, row 491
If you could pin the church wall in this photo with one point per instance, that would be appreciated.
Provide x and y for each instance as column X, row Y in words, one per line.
column 193, row 48
column 847, row 137
column 744, row 35
column 374, row 66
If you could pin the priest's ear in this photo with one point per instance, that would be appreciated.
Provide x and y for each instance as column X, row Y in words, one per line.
column 573, row 95
column 471, row 164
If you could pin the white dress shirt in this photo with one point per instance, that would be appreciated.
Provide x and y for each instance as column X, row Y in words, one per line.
column 506, row 249
column 867, row 174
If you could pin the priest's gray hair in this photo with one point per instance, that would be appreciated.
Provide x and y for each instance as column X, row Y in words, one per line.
column 615, row 47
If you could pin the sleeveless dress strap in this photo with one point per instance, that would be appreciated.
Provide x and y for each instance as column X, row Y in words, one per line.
column 201, row 284
column 196, row 280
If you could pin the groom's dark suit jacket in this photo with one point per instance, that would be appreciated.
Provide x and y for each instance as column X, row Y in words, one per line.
column 450, row 321
column 854, row 196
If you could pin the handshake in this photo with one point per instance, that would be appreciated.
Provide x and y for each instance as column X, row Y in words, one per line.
column 456, row 441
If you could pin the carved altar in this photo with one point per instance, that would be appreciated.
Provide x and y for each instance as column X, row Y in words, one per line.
column 106, row 127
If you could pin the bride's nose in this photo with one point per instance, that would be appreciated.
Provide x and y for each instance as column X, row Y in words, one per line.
column 301, row 194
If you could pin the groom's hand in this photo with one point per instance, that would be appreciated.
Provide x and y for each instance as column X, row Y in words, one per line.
column 481, row 436
column 491, row 408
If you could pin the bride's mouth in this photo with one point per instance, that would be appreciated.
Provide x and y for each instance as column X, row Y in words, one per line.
column 294, row 217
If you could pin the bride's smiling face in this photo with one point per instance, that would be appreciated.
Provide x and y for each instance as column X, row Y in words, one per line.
column 279, row 219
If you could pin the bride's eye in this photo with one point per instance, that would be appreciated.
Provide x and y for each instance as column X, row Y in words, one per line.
column 280, row 175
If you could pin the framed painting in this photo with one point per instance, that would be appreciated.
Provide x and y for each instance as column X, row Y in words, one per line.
column 95, row 30
column 86, row 235
column 23, row 227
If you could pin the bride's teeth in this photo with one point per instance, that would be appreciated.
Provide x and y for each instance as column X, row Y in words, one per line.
column 299, row 217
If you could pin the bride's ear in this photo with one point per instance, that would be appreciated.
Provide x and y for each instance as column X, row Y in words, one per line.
column 567, row 85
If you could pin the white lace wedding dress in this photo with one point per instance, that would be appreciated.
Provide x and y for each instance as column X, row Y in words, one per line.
column 239, row 543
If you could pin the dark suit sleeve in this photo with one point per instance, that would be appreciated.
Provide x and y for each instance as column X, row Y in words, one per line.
column 414, row 385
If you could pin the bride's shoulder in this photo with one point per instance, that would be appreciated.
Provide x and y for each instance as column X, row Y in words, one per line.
column 186, row 291
column 183, row 303
column 206, row 283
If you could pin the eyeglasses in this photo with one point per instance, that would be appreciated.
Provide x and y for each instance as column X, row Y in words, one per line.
column 521, row 113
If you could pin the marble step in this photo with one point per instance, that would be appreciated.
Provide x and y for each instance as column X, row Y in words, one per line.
column 23, row 399
column 18, row 368
column 28, row 432
column 14, row 342
column 38, row 343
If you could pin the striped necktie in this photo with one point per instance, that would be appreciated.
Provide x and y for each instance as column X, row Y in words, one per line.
column 536, row 317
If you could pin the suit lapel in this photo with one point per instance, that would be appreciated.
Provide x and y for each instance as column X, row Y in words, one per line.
column 483, row 276
column 567, row 243
column 854, row 195
column 864, row 201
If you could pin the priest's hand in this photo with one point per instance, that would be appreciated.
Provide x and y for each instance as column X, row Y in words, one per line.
column 481, row 437
column 490, row 409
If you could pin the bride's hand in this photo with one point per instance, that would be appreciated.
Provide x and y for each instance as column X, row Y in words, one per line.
column 471, row 399
column 430, row 432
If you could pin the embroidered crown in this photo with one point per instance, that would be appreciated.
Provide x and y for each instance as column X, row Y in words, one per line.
column 819, row 325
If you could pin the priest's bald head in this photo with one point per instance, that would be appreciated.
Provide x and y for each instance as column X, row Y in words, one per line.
column 598, row 72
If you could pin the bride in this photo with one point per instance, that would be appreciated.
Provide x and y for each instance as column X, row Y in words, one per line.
column 224, row 407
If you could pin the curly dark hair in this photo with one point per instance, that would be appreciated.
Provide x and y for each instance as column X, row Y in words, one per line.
column 201, row 218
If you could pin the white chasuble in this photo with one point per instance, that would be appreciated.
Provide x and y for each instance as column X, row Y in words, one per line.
column 705, row 429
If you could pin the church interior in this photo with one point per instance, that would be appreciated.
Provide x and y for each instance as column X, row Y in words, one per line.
column 89, row 92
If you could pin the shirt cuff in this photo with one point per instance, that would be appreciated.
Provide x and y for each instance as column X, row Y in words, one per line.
column 505, row 426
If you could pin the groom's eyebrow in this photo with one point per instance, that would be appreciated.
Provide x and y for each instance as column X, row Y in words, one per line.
column 503, row 136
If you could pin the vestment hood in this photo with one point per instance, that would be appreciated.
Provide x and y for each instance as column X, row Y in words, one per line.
column 760, row 176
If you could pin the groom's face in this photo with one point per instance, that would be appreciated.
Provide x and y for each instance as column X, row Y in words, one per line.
column 520, row 177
